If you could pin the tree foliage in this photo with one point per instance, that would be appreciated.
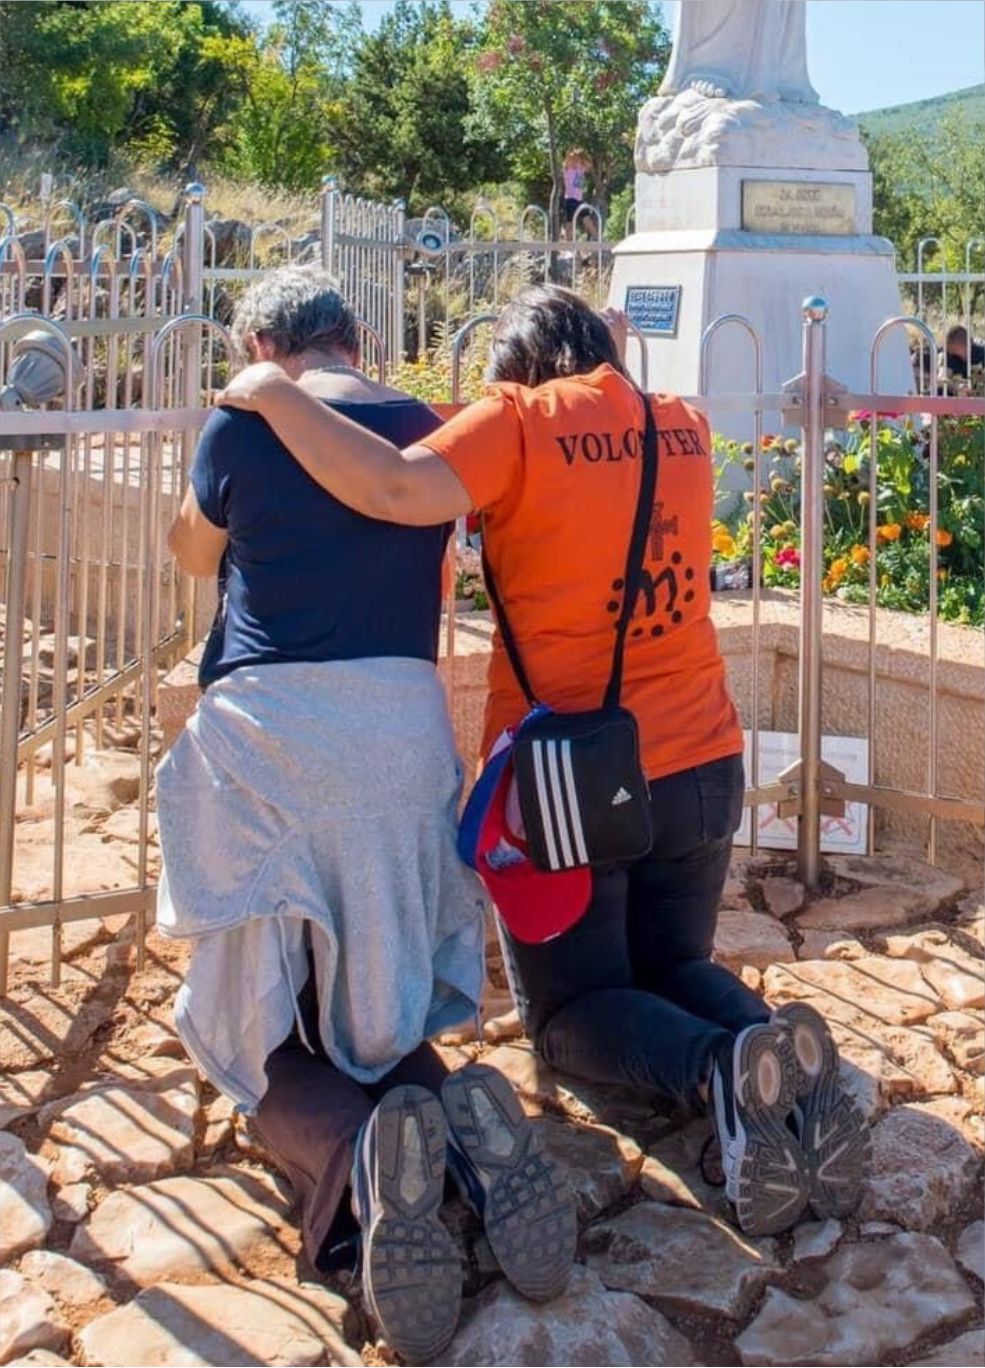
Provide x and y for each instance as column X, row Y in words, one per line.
column 552, row 77
column 930, row 186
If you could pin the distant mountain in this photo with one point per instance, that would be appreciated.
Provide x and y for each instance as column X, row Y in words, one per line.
column 923, row 116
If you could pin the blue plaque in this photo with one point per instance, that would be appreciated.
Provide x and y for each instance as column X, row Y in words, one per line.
column 654, row 308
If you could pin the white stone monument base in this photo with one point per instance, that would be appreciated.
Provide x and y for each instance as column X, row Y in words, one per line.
column 765, row 278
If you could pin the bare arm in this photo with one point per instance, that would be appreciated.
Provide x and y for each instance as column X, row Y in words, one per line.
column 196, row 544
column 365, row 471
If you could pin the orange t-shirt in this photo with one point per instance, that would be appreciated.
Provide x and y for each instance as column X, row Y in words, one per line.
column 556, row 473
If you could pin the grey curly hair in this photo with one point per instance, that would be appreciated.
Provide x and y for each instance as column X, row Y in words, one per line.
column 296, row 308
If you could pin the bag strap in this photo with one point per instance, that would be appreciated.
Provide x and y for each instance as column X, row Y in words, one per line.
column 637, row 551
column 633, row 574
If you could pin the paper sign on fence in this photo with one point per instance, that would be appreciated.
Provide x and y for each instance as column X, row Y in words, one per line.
column 778, row 750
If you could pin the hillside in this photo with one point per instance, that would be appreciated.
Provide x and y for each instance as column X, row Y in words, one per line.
column 923, row 116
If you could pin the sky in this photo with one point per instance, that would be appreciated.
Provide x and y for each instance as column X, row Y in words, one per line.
column 862, row 54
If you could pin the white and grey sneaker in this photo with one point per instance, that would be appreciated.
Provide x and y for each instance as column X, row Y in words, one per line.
column 411, row 1266
column 833, row 1134
column 753, row 1089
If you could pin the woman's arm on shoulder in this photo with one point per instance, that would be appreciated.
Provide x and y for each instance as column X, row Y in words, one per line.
column 365, row 471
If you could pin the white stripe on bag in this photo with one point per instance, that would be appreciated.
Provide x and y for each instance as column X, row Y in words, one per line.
column 562, row 819
column 573, row 804
column 545, row 807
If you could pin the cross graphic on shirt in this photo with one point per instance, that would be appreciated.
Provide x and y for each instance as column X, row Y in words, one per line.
column 658, row 527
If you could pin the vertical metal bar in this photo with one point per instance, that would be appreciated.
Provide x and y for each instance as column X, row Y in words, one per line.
column 193, row 280
column 933, row 475
column 815, row 311
column 13, row 665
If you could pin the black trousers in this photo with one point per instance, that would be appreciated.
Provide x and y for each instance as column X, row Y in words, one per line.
column 629, row 994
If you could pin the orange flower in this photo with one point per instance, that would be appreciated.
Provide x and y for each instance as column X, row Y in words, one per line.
column 917, row 522
column 944, row 538
column 889, row 532
column 860, row 555
column 836, row 572
column 724, row 543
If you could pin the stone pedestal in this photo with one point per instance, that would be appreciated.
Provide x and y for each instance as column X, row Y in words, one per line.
column 747, row 208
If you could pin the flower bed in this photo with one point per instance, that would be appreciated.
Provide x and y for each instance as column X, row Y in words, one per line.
column 901, row 512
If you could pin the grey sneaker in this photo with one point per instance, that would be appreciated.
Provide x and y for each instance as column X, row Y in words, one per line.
column 832, row 1130
column 512, row 1184
column 753, row 1087
column 411, row 1267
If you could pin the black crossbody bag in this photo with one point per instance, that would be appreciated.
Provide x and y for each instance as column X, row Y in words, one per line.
column 583, row 796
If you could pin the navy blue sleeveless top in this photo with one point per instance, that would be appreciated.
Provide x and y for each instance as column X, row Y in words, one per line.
column 304, row 577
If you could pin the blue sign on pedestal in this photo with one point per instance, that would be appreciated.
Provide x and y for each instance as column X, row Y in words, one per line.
column 654, row 308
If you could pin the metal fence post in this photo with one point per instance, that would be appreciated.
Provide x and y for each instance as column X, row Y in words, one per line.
column 815, row 311
column 192, row 302
column 329, row 196
column 13, row 664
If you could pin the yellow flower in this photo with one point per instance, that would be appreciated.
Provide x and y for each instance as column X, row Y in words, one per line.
column 860, row 555
column 885, row 581
column 889, row 532
column 724, row 543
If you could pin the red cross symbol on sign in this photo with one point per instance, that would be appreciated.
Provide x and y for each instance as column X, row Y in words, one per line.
column 658, row 527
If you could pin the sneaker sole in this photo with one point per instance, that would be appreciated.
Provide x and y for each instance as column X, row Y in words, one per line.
column 772, row 1185
column 836, row 1140
column 412, row 1270
column 529, row 1215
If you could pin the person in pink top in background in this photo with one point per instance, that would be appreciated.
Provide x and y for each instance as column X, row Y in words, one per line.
column 576, row 166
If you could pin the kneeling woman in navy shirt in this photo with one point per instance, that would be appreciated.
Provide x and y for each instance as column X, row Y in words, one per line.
column 308, row 816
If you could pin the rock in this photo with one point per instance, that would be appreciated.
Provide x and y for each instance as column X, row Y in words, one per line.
column 600, row 1164
column 875, row 1230
column 535, row 1082
column 33, row 946
column 181, row 1226
column 37, row 1027
column 273, row 1322
column 835, row 945
column 683, row 1260
column 963, row 1037
column 70, row 1283
column 923, row 1170
column 505, row 1027
column 971, row 919
column 970, row 1252
column 877, row 1299
column 28, row 1318
column 963, row 1114
column 585, row 1325
column 967, row 1351
column 893, row 991
column 815, row 1239
column 218, row 1125
column 126, row 1137
column 672, row 1174
column 782, row 896
column 106, row 780
column 71, row 1203
column 25, row 1216
column 22, row 1093
column 868, row 910
column 152, row 1073
column 750, row 938
column 957, row 977
column 896, row 871
column 40, row 1358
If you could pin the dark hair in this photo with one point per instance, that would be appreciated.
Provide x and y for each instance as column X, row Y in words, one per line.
column 547, row 332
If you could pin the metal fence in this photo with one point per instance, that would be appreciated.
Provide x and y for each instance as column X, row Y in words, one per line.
column 89, row 483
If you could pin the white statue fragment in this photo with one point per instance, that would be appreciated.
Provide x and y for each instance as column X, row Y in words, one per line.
column 741, row 50
column 737, row 93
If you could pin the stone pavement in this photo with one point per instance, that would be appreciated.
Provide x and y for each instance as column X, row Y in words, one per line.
column 139, row 1225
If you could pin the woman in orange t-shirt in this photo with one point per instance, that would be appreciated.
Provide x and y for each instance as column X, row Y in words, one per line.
column 629, row 994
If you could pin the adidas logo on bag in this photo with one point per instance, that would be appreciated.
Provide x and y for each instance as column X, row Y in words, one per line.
column 619, row 797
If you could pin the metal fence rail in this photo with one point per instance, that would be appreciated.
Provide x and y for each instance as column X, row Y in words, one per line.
column 87, row 489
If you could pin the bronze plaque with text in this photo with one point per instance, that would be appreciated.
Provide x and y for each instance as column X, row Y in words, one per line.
column 797, row 207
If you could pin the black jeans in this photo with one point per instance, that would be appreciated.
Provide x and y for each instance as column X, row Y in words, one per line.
column 629, row 994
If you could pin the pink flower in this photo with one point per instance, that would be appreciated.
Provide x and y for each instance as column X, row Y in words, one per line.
column 789, row 557
column 865, row 415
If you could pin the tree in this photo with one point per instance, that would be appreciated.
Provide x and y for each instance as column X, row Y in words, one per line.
column 930, row 186
column 91, row 76
column 400, row 125
column 550, row 77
